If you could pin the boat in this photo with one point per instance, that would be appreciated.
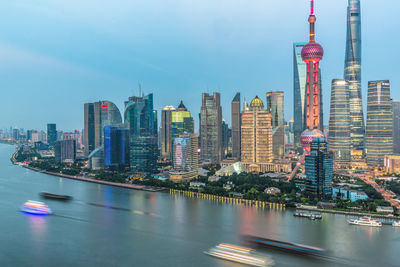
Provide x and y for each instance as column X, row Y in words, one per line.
column 55, row 196
column 396, row 224
column 240, row 255
column 365, row 221
column 310, row 215
column 286, row 246
column 36, row 208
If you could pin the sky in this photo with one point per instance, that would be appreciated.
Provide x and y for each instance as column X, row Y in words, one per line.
column 56, row 55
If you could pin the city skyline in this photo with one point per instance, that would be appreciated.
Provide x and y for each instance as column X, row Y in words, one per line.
column 72, row 73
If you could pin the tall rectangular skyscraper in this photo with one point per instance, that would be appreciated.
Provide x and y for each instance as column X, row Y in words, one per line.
column 299, row 91
column 352, row 74
column 51, row 134
column 275, row 107
column 339, row 122
column 396, row 126
column 166, row 132
column 379, row 139
column 236, row 123
column 211, row 128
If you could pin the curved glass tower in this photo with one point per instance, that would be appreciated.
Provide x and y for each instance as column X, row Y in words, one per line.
column 352, row 74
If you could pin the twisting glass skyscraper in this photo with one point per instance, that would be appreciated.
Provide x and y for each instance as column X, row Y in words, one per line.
column 339, row 122
column 352, row 74
column 379, row 140
column 312, row 53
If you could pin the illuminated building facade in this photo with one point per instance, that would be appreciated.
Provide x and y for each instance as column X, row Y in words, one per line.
column 379, row 139
column 235, row 109
column 116, row 148
column 339, row 122
column 319, row 169
column 299, row 91
column 392, row 164
column 182, row 122
column 396, row 126
column 312, row 53
column 256, row 136
column 141, row 120
column 211, row 128
column 352, row 74
column 275, row 107
column 185, row 158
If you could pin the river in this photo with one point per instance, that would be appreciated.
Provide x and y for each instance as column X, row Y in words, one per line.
column 111, row 226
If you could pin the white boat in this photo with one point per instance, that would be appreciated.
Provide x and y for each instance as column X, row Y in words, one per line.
column 36, row 208
column 396, row 224
column 365, row 221
column 239, row 254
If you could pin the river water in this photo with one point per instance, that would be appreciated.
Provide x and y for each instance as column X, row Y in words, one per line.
column 110, row 226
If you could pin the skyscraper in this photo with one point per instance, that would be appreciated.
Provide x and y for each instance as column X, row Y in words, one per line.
column 51, row 134
column 339, row 122
column 185, row 158
column 256, row 134
column 97, row 115
column 116, row 148
column 379, row 139
column 182, row 121
column 210, row 128
column 299, row 91
column 312, row 53
column 319, row 169
column 396, row 126
column 235, row 109
column 65, row 151
column 141, row 119
column 275, row 107
column 352, row 74
column 166, row 132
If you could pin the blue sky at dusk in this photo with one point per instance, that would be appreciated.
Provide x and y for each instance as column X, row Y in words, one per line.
column 57, row 55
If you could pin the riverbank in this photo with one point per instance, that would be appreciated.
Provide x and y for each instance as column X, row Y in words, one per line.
column 90, row 180
column 351, row 213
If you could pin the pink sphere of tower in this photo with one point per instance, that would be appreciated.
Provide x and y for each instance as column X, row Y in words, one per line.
column 312, row 52
column 308, row 136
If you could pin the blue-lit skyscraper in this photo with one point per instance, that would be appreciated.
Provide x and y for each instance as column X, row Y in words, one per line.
column 299, row 91
column 141, row 119
column 319, row 169
column 352, row 74
column 116, row 148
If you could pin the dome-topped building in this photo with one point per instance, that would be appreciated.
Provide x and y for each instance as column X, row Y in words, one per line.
column 256, row 103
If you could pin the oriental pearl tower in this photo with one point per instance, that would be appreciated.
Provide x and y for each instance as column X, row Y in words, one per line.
column 312, row 54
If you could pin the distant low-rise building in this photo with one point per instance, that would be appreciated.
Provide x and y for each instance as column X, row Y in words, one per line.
column 346, row 193
column 392, row 164
column 381, row 209
column 272, row 191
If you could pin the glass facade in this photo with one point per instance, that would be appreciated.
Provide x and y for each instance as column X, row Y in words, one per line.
column 352, row 74
column 339, row 122
column 210, row 128
column 319, row 169
column 396, row 126
column 299, row 91
column 51, row 134
column 116, row 148
column 166, row 132
column 141, row 121
column 235, row 109
column 379, row 139
column 275, row 107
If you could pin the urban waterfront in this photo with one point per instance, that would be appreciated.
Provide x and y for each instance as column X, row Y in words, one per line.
column 110, row 226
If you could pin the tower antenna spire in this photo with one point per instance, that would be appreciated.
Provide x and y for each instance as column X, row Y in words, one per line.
column 312, row 19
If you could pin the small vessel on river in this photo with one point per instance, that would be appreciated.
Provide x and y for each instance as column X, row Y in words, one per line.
column 55, row 196
column 396, row 224
column 310, row 215
column 239, row 254
column 36, row 208
column 365, row 221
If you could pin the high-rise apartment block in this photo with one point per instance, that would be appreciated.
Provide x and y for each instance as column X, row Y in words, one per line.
column 65, row 151
column 379, row 139
column 396, row 126
column 210, row 128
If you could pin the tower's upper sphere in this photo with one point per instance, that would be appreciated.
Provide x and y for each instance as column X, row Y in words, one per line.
column 312, row 19
column 312, row 52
